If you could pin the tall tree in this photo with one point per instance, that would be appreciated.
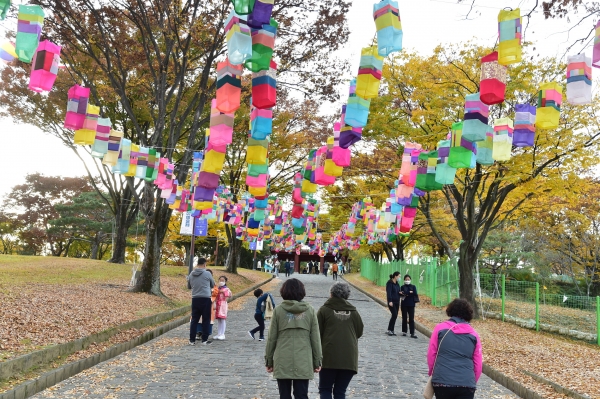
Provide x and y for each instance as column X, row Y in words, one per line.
column 427, row 95
column 32, row 206
column 157, row 59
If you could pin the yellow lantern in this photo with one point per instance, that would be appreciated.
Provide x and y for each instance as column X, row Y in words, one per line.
column 549, row 102
column 509, row 31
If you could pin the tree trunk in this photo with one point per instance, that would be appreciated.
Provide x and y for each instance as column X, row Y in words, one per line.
column 95, row 243
column 156, row 227
column 126, row 213
column 234, row 255
column 466, row 265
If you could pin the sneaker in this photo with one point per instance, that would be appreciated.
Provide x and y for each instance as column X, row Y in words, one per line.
column 220, row 337
column 404, row 334
column 192, row 343
column 251, row 335
column 391, row 334
column 261, row 339
column 206, row 342
column 414, row 336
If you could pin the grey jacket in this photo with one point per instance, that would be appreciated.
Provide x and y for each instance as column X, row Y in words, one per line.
column 201, row 282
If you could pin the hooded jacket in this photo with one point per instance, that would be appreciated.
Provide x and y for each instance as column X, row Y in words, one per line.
column 293, row 345
column 340, row 326
column 202, row 282
column 409, row 299
column 459, row 358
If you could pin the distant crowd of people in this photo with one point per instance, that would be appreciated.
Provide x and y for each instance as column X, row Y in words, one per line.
column 302, row 342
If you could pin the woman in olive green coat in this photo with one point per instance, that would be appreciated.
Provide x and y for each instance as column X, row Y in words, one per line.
column 293, row 352
column 341, row 326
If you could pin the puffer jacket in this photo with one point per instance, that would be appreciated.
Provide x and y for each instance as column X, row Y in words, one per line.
column 294, row 343
column 459, row 358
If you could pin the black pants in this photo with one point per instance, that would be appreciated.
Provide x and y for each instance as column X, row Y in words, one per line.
column 300, row 389
column 453, row 393
column 261, row 325
column 200, row 308
column 408, row 312
column 334, row 381
column 394, row 310
column 287, row 272
column 335, row 275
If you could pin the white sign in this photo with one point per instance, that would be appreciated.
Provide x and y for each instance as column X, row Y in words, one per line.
column 259, row 245
column 186, row 224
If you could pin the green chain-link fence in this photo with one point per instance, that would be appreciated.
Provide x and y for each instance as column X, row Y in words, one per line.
column 520, row 302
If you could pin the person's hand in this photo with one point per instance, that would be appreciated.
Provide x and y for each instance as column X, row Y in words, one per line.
column 410, row 292
column 318, row 369
column 269, row 369
column 391, row 304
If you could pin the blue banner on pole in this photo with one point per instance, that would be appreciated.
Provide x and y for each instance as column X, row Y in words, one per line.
column 201, row 228
column 252, row 245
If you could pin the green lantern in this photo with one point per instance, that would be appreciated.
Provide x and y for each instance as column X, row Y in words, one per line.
column 243, row 7
column 4, row 6
column 263, row 42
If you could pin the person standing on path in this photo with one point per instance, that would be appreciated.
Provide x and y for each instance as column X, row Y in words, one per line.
column 221, row 308
column 277, row 266
column 287, row 268
column 259, row 313
column 334, row 271
column 454, row 356
column 202, row 282
column 293, row 353
column 325, row 268
column 340, row 326
column 392, row 289
column 409, row 299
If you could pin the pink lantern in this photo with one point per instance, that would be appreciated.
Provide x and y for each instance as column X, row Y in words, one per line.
column 44, row 67
column 77, row 107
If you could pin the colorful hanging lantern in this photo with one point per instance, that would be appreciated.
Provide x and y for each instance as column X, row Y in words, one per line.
column 503, row 139
column 263, row 43
column 208, row 179
column 257, row 151
column 243, row 7
column 509, row 32
column 239, row 41
column 462, row 151
column 485, row 149
column 221, row 126
column 152, row 168
column 261, row 123
column 213, row 161
column 357, row 109
column 350, row 135
column 229, row 87
column 124, row 160
column 549, row 102
column 596, row 54
column 444, row 173
column 29, row 28
column 579, row 79
column 256, row 170
column 524, row 133
column 493, row 80
column 322, row 178
column 426, row 171
column 4, row 7
column 369, row 73
column 261, row 13
column 7, row 52
column 114, row 148
column 389, row 27
column 133, row 160
column 87, row 134
column 100, row 146
column 264, row 87
column 44, row 67
column 77, row 107
column 475, row 124
column 142, row 163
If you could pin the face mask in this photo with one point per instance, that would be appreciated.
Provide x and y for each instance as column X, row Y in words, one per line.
column 221, row 283
column 407, row 282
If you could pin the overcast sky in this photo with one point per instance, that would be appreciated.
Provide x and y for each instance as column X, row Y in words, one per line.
column 425, row 23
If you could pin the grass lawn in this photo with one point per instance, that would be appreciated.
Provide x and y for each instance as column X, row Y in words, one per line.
column 49, row 300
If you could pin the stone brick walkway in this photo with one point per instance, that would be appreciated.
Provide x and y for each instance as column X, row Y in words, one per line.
column 168, row 368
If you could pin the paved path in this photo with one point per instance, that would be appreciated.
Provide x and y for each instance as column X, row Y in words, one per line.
column 234, row 368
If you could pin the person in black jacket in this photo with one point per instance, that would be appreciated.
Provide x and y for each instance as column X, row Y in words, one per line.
column 392, row 288
column 409, row 295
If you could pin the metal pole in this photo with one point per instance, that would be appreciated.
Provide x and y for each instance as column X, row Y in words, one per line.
column 598, row 318
column 503, row 294
column 191, row 265
column 217, row 251
column 537, row 306
column 254, row 260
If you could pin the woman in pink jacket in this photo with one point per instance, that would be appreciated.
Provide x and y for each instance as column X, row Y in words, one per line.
column 221, row 307
column 454, row 356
